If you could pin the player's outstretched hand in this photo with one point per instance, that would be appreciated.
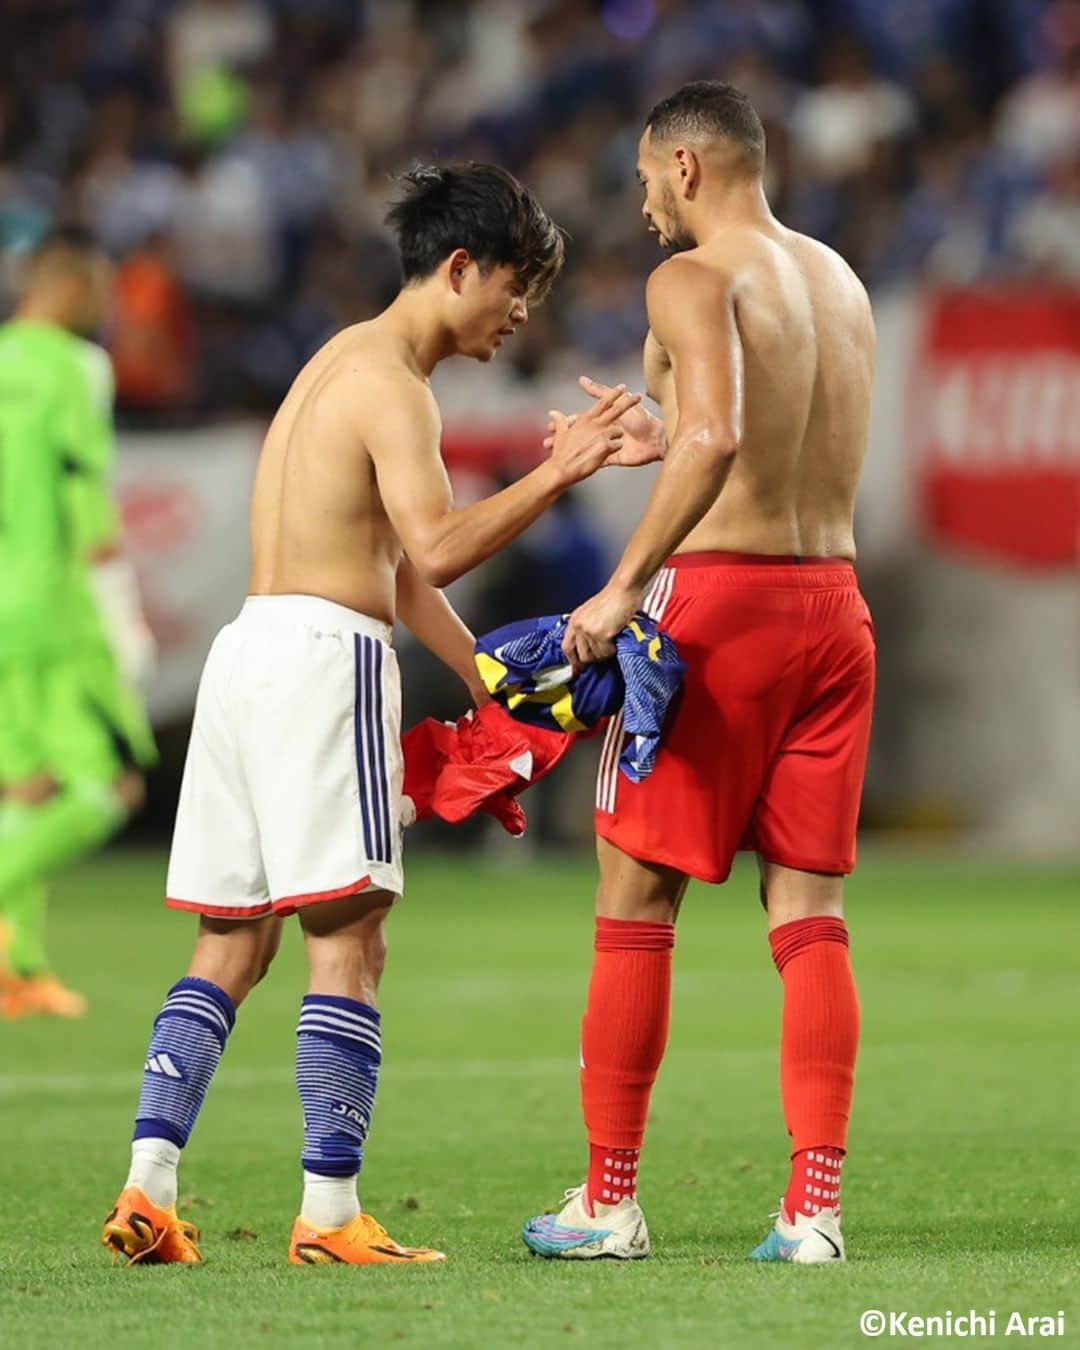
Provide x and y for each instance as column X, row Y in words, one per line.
column 580, row 445
column 644, row 440
column 593, row 627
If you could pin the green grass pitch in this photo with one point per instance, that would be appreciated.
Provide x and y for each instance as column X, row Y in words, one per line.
column 961, row 1187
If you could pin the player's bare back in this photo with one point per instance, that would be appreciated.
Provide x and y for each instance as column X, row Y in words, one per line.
column 318, row 524
column 807, row 340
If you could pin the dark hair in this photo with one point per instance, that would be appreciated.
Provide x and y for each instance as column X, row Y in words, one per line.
column 704, row 109
column 478, row 207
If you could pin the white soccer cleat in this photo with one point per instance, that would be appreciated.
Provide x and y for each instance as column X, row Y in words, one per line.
column 812, row 1240
column 617, row 1231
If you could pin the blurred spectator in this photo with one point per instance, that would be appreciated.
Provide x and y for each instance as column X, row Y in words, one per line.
column 152, row 338
column 295, row 168
column 551, row 569
column 205, row 34
column 225, row 232
column 255, row 142
column 1040, row 118
column 122, row 194
column 607, row 314
column 837, row 124
column 1046, row 235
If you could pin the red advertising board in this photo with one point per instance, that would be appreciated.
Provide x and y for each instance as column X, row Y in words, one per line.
column 995, row 413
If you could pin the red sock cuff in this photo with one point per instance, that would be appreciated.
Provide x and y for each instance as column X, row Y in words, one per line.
column 634, row 935
column 790, row 939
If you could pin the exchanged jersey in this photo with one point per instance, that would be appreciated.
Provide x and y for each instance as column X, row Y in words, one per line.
column 523, row 666
column 481, row 762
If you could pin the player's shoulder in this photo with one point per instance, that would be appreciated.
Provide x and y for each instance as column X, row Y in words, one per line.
column 830, row 266
column 352, row 358
column 368, row 376
column 689, row 279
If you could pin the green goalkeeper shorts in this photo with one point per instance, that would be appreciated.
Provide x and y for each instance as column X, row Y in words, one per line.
column 73, row 718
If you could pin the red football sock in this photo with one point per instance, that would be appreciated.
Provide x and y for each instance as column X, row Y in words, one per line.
column 612, row 1174
column 623, row 1036
column 815, row 1181
column 819, row 1044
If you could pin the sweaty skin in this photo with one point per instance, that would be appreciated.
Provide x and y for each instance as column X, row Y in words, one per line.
column 352, row 501
column 318, row 524
column 790, row 347
column 760, row 355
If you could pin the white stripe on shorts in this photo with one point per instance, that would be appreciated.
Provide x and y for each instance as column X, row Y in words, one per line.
column 607, row 779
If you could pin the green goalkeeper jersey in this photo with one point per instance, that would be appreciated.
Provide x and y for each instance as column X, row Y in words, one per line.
column 56, row 456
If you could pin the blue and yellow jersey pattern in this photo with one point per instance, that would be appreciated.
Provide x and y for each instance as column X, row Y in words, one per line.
column 523, row 666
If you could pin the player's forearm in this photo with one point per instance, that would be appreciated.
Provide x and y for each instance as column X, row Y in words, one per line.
column 432, row 619
column 463, row 539
column 694, row 472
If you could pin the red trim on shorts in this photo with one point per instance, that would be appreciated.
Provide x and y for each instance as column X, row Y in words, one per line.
column 220, row 911
column 289, row 904
column 722, row 559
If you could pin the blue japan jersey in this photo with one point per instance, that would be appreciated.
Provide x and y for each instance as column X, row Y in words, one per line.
column 523, row 666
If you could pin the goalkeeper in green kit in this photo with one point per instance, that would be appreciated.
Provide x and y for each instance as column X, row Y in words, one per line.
column 74, row 737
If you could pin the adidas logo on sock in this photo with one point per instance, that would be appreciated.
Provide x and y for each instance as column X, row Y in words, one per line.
column 165, row 1065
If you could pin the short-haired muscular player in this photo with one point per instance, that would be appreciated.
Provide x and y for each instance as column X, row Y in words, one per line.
column 291, row 793
column 760, row 356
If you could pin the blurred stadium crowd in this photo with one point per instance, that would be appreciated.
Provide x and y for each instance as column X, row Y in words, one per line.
column 235, row 156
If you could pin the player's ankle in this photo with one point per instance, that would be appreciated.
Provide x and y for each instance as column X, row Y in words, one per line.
column 153, row 1170
column 329, row 1202
column 612, row 1176
column 814, row 1183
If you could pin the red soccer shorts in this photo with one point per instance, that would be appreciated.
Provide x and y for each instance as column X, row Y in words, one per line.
column 767, row 748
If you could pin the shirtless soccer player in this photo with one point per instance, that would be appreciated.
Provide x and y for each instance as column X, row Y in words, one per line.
column 290, row 800
column 760, row 356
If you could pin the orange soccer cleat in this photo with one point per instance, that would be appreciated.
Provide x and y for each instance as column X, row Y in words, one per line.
column 142, row 1231
column 39, row 996
column 362, row 1242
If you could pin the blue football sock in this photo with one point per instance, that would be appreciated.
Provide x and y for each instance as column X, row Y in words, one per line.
column 189, row 1037
column 338, row 1053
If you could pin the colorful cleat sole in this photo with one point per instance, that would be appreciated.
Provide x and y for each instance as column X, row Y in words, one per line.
column 619, row 1234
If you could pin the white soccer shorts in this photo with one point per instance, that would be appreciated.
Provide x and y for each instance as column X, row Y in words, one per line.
column 292, row 786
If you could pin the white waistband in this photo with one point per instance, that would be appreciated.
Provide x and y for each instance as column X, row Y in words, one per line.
column 313, row 609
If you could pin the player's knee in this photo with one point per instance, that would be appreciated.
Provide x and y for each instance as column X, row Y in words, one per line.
column 640, row 891
column 350, row 963
column 638, row 908
column 377, row 949
column 361, row 951
column 266, row 953
column 235, row 955
column 789, row 894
